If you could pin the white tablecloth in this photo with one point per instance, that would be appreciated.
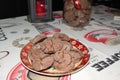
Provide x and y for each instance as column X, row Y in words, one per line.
column 105, row 55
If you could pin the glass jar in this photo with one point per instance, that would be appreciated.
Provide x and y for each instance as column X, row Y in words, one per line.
column 77, row 12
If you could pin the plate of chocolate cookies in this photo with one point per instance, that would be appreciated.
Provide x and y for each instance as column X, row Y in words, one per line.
column 56, row 55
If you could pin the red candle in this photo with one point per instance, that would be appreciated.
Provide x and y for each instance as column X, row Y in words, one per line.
column 40, row 8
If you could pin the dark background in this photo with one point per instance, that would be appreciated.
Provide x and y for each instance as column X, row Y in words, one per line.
column 15, row 8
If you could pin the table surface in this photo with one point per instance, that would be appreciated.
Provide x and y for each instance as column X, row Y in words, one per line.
column 101, row 36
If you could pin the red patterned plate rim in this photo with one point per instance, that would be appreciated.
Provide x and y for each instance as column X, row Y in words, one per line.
column 85, row 60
